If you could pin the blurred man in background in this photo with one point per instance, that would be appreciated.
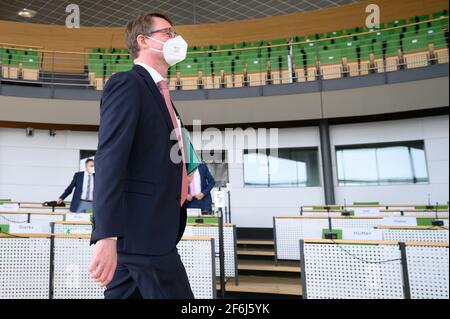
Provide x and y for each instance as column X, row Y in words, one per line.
column 83, row 183
column 200, row 186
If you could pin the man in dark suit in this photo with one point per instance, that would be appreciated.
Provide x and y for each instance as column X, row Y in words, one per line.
column 83, row 183
column 201, row 184
column 141, row 176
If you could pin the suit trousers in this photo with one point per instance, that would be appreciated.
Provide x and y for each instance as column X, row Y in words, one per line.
column 149, row 277
column 84, row 206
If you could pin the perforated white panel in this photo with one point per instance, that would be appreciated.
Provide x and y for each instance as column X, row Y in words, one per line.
column 356, row 223
column 332, row 273
column 289, row 231
column 197, row 257
column 71, row 278
column 229, row 242
column 321, row 214
column 72, row 229
column 336, row 214
column 404, row 235
column 45, row 220
column 428, row 269
column 24, row 268
column 72, row 258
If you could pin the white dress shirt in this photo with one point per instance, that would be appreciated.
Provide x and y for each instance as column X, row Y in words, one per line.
column 156, row 76
column 196, row 183
column 84, row 195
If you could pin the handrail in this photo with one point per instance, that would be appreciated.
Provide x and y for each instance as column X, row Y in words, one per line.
column 378, row 205
column 21, row 45
column 372, row 242
column 349, row 217
column 431, row 211
column 413, row 227
column 83, row 236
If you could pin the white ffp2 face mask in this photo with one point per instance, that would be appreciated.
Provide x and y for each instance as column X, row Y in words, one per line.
column 174, row 50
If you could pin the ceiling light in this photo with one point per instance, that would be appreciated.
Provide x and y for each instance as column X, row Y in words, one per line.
column 27, row 13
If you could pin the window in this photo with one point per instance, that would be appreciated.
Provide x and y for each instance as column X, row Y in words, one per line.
column 380, row 164
column 289, row 168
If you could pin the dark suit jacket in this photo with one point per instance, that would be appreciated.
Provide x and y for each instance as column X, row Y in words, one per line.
column 137, row 186
column 207, row 184
column 77, row 183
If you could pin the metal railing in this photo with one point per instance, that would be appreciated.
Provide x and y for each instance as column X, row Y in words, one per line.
column 374, row 51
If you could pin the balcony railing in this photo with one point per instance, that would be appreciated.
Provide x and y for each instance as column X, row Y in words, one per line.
column 301, row 59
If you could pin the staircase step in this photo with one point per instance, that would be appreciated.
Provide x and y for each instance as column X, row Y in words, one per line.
column 269, row 266
column 256, row 242
column 266, row 285
column 255, row 252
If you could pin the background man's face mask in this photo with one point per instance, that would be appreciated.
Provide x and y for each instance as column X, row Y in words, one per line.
column 174, row 50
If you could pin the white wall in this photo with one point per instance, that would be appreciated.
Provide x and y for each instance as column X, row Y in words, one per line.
column 39, row 168
column 433, row 130
column 255, row 207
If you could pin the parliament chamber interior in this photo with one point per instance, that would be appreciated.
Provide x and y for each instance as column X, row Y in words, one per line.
column 326, row 136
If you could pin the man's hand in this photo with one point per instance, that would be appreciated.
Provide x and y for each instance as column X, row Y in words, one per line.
column 200, row 196
column 104, row 261
column 189, row 198
column 59, row 201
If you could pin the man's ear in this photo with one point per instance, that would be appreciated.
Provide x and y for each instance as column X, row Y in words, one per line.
column 141, row 41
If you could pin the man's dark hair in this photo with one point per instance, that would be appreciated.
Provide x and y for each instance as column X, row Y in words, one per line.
column 141, row 25
column 88, row 161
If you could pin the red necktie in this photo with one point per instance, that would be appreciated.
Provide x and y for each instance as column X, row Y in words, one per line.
column 162, row 85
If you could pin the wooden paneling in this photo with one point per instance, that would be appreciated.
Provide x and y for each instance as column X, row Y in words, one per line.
column 50, row 126
column 60, row 38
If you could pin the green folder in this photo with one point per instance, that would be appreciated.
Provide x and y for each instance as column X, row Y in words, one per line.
column 192, row 159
